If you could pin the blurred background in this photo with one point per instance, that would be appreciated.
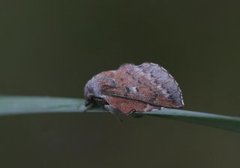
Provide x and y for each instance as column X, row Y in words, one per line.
column 53, row 47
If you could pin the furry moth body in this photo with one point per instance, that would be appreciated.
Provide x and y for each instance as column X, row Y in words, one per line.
column 133, row 88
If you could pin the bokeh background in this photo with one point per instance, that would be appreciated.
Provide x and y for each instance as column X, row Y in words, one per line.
column 53, row 47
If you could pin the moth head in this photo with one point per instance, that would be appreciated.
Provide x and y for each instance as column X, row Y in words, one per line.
column 98, row 85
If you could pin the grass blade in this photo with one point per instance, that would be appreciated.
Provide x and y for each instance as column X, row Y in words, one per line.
column 202, row 118
column 16, row 105
column 39, row 104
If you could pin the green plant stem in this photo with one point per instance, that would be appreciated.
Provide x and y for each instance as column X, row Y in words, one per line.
column 16, row 105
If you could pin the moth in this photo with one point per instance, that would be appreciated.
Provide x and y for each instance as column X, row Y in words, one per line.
column 134, row 88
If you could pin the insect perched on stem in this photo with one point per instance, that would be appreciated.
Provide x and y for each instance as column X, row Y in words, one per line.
column 134, row 88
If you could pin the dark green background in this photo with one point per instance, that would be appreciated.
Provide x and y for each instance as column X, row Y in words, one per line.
column 53, row 47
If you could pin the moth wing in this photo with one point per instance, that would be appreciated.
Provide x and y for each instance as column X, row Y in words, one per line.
column 127, row 106
column 149, row 83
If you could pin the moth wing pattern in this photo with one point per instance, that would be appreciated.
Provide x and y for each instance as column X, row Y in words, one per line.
column 148, row 83
column 127, row 106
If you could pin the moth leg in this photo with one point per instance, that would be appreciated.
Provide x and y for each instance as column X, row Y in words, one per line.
column 114, row 112
column 133, row 113
column 93, row 101
column 157, row 109
column 152, row 108
column 88, row 104
column 110, row 109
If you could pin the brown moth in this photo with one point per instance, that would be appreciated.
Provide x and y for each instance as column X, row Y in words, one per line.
column 131, row 88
